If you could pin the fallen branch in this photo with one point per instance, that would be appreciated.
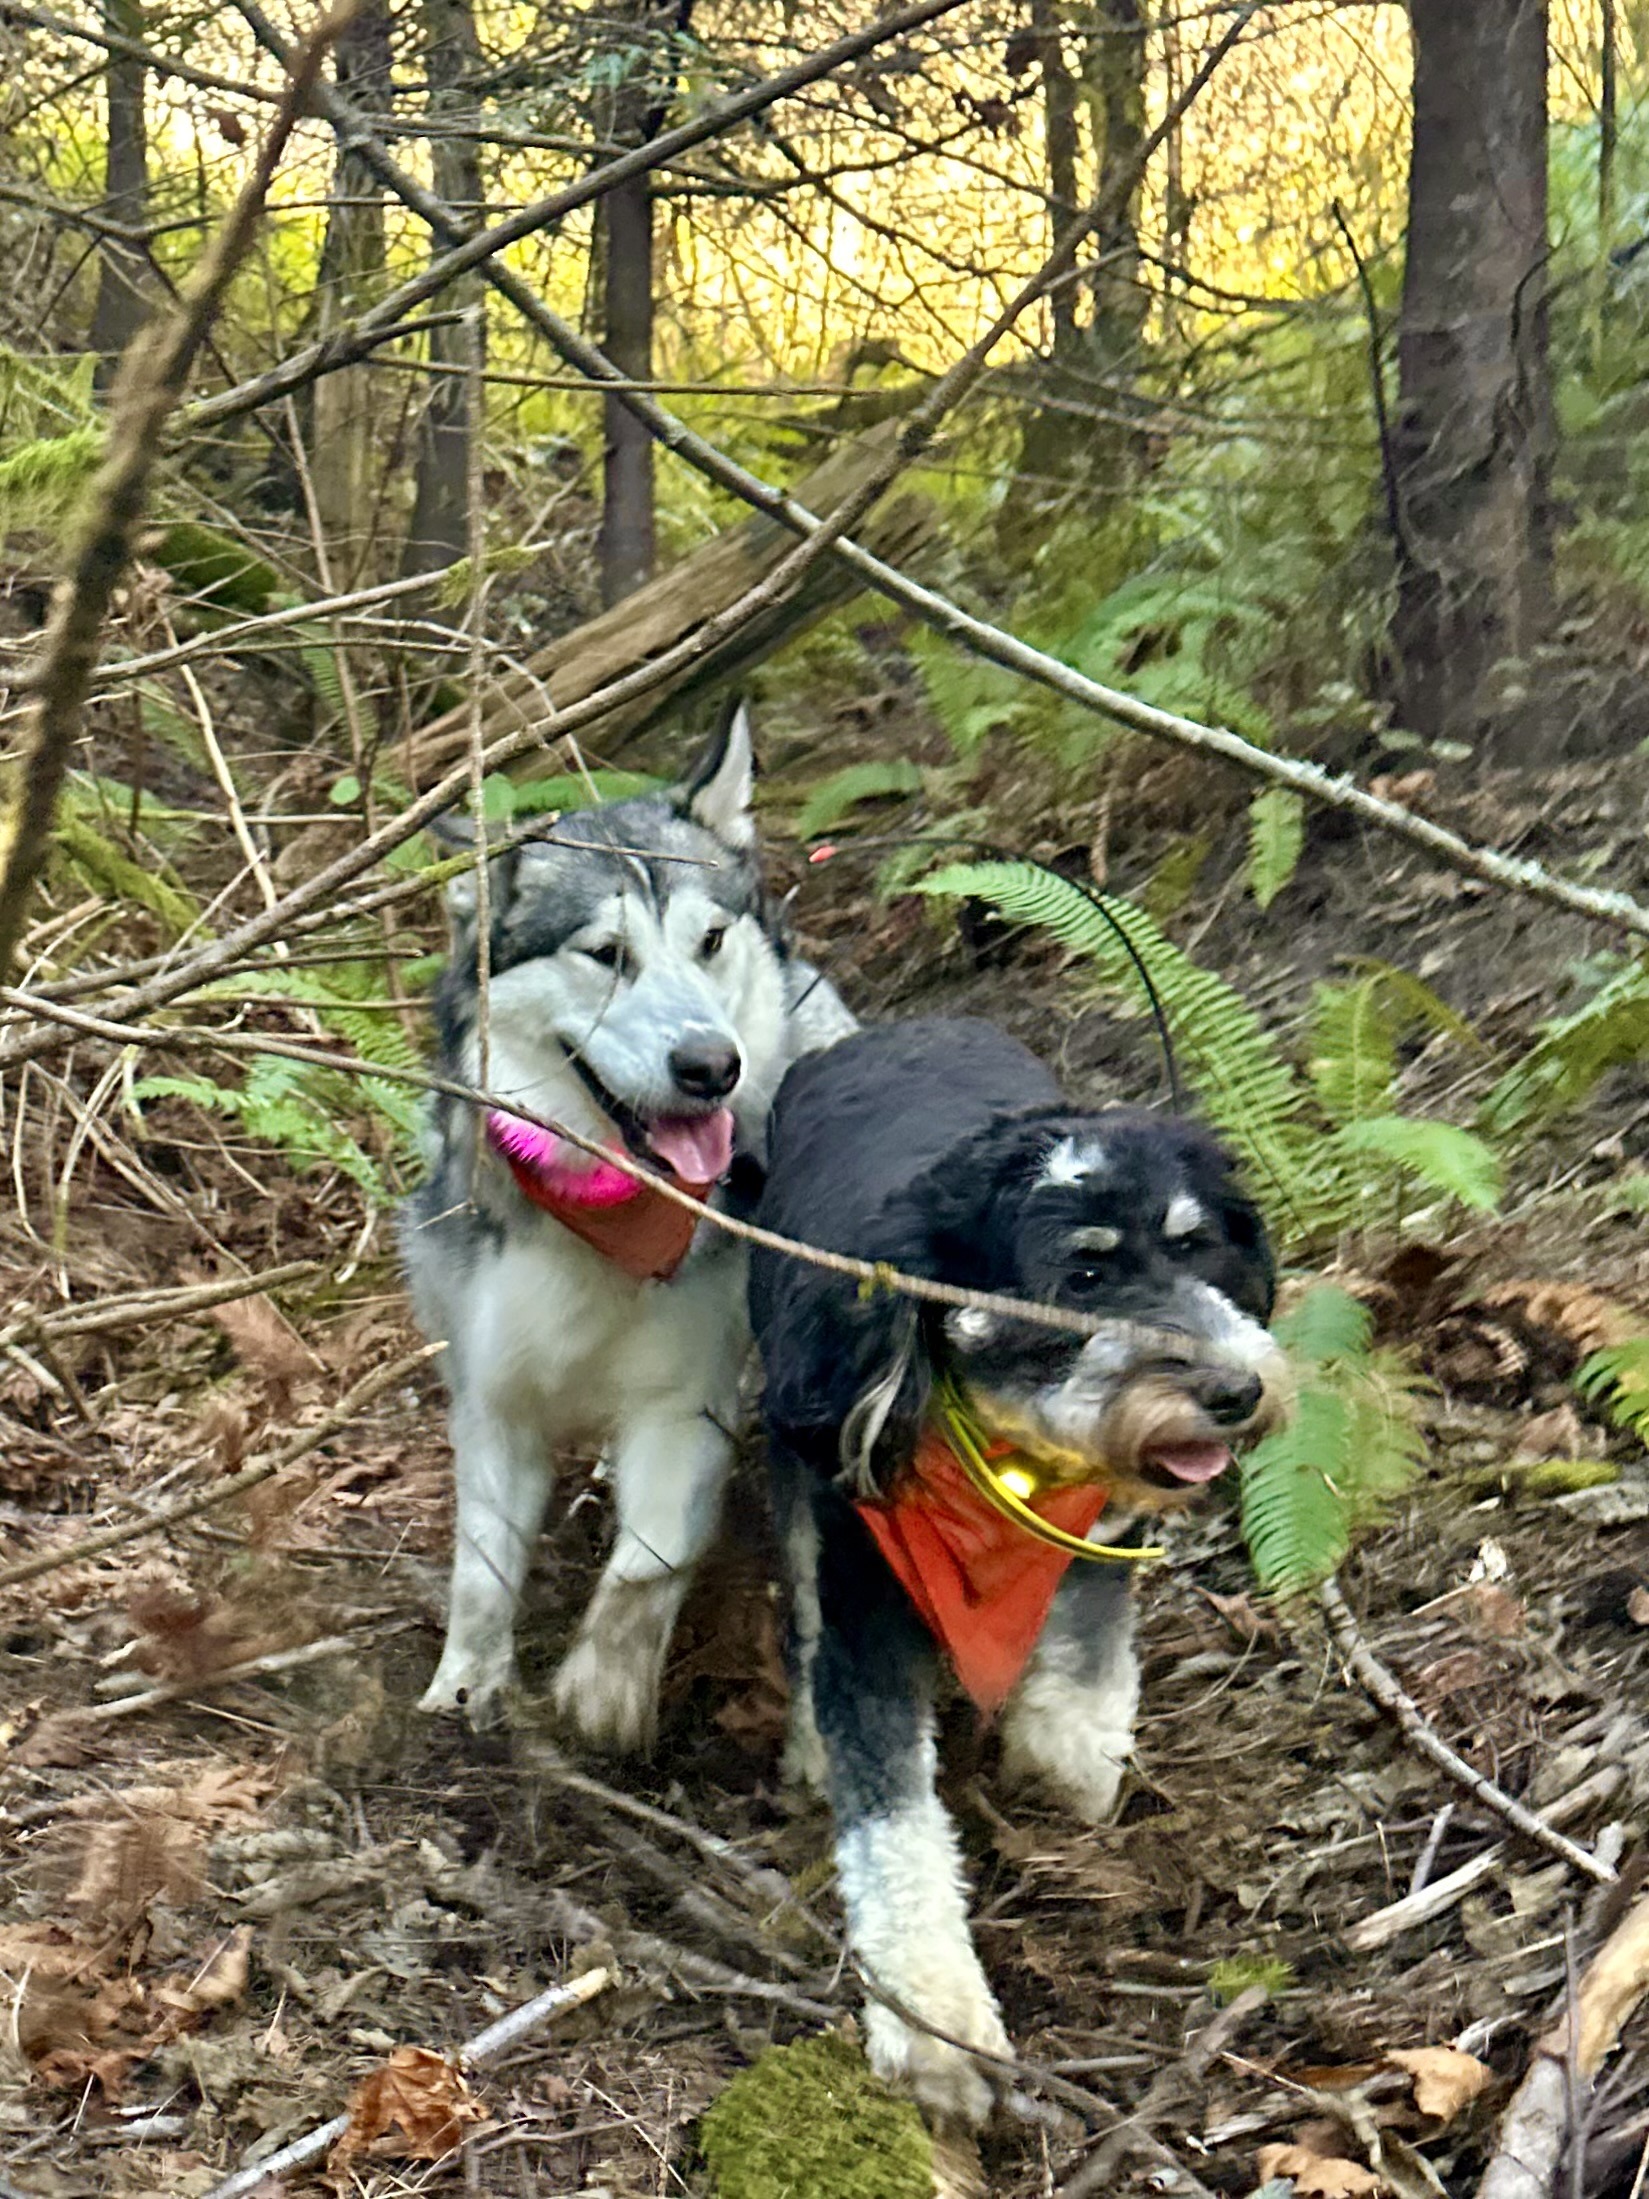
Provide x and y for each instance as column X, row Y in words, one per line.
column 152, row 379
column 1544, row 2107
column 129, row 1309
column 1441, row 1894
column 1383, row 1686
column 486, row 2046
column 202, row 1683
column 234, row 1485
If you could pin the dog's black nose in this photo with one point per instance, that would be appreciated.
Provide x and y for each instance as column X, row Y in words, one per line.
column 1229, row 1399
column 705, row 1068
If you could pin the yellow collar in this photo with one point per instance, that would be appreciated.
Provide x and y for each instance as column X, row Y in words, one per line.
column 1008, row 1483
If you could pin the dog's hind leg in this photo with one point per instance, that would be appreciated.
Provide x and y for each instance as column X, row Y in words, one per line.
column 668, row 1474
column 1069, row 1724
column 504, row 1481
column 897, row 1858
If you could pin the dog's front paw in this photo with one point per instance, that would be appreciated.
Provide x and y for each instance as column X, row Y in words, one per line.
column 610, row 1705
column 953, row 2090
column 476, row 1687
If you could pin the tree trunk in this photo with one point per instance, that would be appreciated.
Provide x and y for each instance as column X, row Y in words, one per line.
column 438, row 532
column 1475, row 431
column 628, row 541
column 121, row 308
column 351, row 276
column 1060, row 448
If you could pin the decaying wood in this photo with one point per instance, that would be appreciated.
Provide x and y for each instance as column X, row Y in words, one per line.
column 674, row 606
column 1539, row 2118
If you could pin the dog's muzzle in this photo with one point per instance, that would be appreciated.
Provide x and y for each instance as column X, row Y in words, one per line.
column 1154, row 1414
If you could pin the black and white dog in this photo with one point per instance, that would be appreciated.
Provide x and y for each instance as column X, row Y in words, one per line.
column 640, row 995
column 946, row 1149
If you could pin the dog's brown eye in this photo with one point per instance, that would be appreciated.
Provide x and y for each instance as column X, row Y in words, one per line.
column 611, row 954
column 711, row 944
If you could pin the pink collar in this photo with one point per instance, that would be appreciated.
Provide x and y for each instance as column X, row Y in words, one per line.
column 617, row 1215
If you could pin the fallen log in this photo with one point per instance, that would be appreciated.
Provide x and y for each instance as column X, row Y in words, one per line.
column 674, row 605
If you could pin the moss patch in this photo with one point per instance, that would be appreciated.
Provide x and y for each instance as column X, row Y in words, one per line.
column 809, row 2121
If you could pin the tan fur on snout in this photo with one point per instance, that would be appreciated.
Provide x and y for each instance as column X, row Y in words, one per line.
column 1148, row 1412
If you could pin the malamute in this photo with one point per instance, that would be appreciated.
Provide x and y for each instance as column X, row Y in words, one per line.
column 640, row 994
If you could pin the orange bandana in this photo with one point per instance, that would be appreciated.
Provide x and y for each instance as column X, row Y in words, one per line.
column 981, row 1583
column 647, row 1237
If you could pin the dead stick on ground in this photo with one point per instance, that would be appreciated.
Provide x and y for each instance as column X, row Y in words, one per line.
column 202, row 1683
column 1441, row 1894
column 1384, row 1688
column 486, row 2046
column 130, row 1308
column 219, row 1492
column 151, row 382
column 1538, row 2120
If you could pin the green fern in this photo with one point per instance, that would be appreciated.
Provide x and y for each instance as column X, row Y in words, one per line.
column 1435, row 1154
column 284, row 1104
column 1248, row 1089
column 1617, row 1379
column 1321, row 1154
column 1276, row 835
column 1352, row 1446
column 832, row 798
column 1573, row 1053
column 41, row 481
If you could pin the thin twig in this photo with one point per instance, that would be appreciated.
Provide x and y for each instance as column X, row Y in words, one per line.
column 486, row 2046
column 879, row 1274
column 234, row 1485
column 1388, row 1693
column 152, row 379
column 714, row 120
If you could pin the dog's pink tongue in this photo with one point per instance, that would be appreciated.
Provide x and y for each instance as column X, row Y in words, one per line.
column 1191, row 1461
column 698, row 1148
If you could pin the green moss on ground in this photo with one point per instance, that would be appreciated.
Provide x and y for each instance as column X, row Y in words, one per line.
column 810, row 2121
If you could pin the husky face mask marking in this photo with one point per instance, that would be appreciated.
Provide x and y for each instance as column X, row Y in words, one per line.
column 638, row 994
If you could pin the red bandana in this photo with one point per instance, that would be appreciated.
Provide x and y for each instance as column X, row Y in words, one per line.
column 982, row 1584
column 646, row 1236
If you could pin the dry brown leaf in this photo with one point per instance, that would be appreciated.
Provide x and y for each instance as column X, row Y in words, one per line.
column 266, row 1341
column 415, row 2107
column 1554, row 1434
column 1637, row 1605
column 1445, row 2080
column 219, row 1982
column 1314, row 2176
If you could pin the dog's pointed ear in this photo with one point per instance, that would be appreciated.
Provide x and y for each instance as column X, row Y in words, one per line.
column 454, row 834
column 717, row 792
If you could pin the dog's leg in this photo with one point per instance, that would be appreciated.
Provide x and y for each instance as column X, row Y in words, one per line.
column 804, row 1752
column 668, row 1474
column 504, row 1482
column 897, row 1858
column 1069, row 1724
